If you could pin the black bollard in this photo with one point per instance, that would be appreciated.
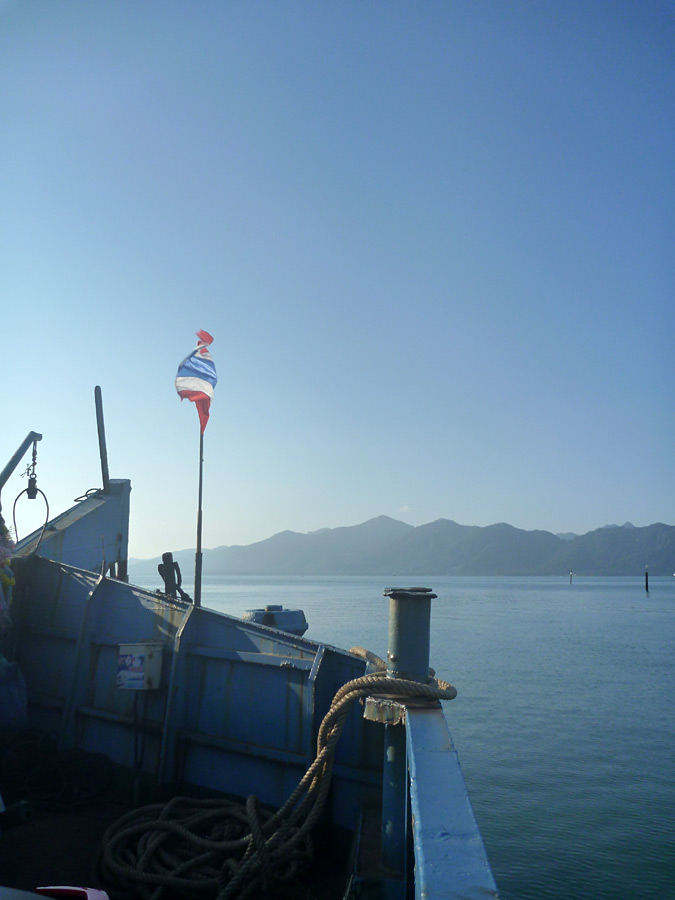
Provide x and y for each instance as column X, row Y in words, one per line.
column 167, row 569
column 407, row 658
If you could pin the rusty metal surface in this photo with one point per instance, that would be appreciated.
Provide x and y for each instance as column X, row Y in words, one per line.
column 390, row 710
column 384, row 711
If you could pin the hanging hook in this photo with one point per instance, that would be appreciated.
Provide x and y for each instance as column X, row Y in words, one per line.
column 32, row 489
column 31, row 492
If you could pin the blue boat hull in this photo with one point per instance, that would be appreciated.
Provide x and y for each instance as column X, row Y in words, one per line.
column 184, row 700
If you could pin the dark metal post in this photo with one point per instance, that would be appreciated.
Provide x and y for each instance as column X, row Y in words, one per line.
column 198, row 555
column 167, row 570
column 409, row 633
column 646, row 579
column 102, row 449
column 407, row 658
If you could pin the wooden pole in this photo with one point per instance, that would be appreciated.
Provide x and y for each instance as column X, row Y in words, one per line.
column 198, row 555
column 646, row 579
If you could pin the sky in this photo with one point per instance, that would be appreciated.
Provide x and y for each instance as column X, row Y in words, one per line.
column 433, row 242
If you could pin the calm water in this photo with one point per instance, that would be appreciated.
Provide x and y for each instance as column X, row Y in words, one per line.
column 564, row 718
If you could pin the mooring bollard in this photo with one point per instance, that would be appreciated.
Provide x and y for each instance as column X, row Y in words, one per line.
column 407, row 658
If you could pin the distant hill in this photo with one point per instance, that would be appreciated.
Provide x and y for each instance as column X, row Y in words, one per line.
column 385, row 546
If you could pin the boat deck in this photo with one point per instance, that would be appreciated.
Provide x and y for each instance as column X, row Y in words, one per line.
column 55, row 847
column 62, row 847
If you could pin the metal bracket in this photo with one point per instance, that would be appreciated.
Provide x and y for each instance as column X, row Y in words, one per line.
column 390, row 710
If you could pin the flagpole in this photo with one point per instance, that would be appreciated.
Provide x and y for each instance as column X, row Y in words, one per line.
column 198, row 555
column 195, row 381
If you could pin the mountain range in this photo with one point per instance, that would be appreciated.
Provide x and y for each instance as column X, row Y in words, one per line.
column 386, row 546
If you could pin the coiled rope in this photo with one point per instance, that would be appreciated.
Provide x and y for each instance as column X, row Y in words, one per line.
column 214, row 848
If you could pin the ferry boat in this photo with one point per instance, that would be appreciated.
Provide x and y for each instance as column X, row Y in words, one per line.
column 155, row 748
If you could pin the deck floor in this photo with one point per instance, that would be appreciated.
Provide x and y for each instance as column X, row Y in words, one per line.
column 53, row 848
column 61, row 848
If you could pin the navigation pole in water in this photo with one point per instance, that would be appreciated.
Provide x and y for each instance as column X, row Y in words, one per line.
column 195, row 381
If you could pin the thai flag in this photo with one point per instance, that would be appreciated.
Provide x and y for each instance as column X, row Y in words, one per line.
column 196, row 377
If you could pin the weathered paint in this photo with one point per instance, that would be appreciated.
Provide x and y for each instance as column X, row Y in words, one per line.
column 238, row 706
column 93, row 535
column 384, row 710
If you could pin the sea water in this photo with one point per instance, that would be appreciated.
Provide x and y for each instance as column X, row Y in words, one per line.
column 564, row 718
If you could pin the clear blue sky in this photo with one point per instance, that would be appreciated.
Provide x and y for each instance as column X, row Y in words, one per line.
column 433, row 241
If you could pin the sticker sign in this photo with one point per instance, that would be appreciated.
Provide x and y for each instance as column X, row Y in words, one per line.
column 131, row 671
column 139, row 666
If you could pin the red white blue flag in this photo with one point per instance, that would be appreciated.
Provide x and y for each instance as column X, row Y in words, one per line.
column 196, row 377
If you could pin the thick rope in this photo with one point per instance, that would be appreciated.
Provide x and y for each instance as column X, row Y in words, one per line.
column 221, row 850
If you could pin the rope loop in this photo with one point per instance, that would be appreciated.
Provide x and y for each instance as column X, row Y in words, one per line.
column 218, row 849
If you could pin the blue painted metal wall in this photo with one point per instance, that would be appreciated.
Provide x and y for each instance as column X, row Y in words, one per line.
column 239, row 704
column 92, row 535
